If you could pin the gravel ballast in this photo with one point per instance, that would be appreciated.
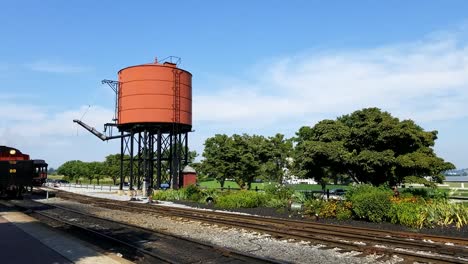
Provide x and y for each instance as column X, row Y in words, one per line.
column 233, row 238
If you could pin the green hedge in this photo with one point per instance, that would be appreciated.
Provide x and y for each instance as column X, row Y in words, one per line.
column 242, row 199
column 370, row 203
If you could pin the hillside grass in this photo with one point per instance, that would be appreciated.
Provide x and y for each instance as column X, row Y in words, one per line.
column 316, row 187
column 227, row 184
column 103, row 181
column 300, row 187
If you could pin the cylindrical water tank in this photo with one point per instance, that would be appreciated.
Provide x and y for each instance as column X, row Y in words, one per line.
column 155, row 94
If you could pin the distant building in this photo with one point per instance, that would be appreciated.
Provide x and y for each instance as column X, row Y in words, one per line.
column 457, row 181
column 461, row 172
column 296, row 180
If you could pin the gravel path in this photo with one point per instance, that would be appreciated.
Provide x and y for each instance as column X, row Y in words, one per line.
column 234, row 238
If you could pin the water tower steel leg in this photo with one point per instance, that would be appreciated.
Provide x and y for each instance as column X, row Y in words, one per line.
column 165, row 156
column 121, row 160
column 180, row 145
column 140, row 162
column 131, row 160
column 158, row 168
column 147, row 161
column 173, row 161
column 151, row 160
column 186, row 150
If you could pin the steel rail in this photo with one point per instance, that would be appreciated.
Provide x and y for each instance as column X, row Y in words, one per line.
column 233, row 254
column 315, row 232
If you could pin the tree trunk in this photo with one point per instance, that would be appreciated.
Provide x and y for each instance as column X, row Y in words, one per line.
column 353, row 177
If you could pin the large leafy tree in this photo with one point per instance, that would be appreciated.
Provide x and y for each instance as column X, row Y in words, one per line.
column 111, row 167
column 218, row 156
column 250, row 154
column 278, row 150
column 96, row 170
column 245, row 157
column 73, row 169
column 370, row 146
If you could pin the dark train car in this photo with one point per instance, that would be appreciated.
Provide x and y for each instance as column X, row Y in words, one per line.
column 9, row 153
column 16, row 172
column 40, row 172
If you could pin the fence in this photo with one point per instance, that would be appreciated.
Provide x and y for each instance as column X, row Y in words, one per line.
column 87, row 186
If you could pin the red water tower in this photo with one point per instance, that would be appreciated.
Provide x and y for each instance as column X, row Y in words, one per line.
column 153, row 114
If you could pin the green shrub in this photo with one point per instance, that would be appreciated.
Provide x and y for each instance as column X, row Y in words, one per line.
column 241, row 199
column 438, row 194
column 209, row 193
column 408, row 213
column 298, row 197
column 193, row 193
column 442, row 213
column 170, row 195
column 421, row 192
column 313, row 207
column 370, row 203
column 274, row 202
column 344, row 210
column 279, row 191
column 418, row 213
column 328, row 209
column 426, row 193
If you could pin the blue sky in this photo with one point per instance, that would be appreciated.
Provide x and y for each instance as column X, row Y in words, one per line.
column 258, row 66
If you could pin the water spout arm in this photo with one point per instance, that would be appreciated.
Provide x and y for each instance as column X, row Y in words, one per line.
column 92, row 130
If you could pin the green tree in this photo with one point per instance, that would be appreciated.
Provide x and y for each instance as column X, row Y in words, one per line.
column 217, row 157
column 96, row 170
column 73, row 169
column 370, row 146
column 250, row 154
column 278, row 150
column 239, row 157
column 111, row 167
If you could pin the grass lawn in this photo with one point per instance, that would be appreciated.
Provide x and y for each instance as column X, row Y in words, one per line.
column 312, row 187
column 227, row 184
column 104, row 181
column 316, row 187
column 55, row 177
column 461, row 193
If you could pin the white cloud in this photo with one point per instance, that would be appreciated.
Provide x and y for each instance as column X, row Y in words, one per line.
column 55, row 67
column 41, row 123
column 425, row 81
column 13, row 112
column 52, row 135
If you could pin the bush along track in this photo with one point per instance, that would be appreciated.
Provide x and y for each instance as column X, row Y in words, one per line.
column 413, row 208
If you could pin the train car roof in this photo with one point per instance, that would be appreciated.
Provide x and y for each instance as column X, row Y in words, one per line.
column 7, row 149
column 39, row 161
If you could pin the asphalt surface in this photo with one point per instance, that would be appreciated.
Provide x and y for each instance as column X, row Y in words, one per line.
column 18, row 247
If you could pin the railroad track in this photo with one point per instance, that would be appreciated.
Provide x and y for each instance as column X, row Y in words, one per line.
column 411, row 246
column 138, row 244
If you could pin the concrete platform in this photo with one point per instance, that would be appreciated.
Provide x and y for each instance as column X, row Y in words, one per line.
column 25, row 240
